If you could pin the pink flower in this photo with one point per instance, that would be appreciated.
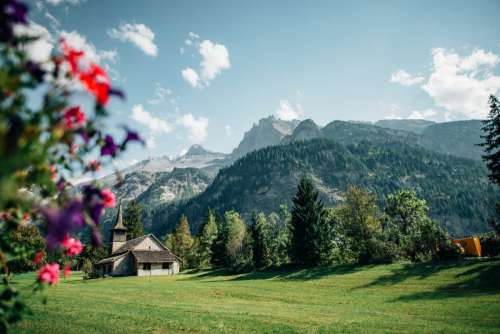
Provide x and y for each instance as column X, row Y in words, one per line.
column 94, row 166
column 67, row 270
column 53, row 173
column 49, row 274
column 108, row 198
column 73, row 246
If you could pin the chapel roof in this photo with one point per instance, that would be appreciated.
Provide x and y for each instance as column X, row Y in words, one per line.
column 155, row 256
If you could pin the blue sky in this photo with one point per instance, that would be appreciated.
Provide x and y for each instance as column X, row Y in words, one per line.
column 324, row 60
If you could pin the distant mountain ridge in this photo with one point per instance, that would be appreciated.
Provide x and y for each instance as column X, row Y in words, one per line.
column 163, row 185
column 268, row 131
column 264, row 179
column 411, row 125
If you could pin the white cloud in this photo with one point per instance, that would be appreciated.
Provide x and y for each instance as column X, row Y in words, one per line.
column 139, row 35
column 151, row 142
column 404, row 78
column 143, row 117
column 80, row 42
column 422, row 114
column 53, row 21
column 160, row 94
column 183, row 152
column 197, row 127
column 109, row 55
column 461, row 85
column 70, row 2
column 191, row 76
column 215, row 59
column 288, row 112
column 227, row 129
column 40, row 49
column 394, row 113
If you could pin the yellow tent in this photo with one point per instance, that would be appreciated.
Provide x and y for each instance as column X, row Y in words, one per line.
column 469, row 246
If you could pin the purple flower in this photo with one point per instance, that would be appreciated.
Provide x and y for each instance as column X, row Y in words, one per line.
column 61, row 184
column 11, row 12
column 117, row 93
column 109, row 147
column 35, row 71
column 16, row 11
column 131, row 136
column 92, row 197
column 96, row 237
column 61, row 222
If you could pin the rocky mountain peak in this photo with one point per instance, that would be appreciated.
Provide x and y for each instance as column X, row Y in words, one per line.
column 197, row 149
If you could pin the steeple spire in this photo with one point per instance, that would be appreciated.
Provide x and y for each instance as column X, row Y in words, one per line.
column 119, row 232
column 119, row 219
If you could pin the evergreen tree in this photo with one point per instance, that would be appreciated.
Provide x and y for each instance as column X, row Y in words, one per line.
column 308, row 222
column 261, row 251
column 219, row 245
column 491, row 144
column 206, row 240
column 133, row 220
column 182, row 242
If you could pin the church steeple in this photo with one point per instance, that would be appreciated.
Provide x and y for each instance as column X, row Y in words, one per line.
column 119, row 232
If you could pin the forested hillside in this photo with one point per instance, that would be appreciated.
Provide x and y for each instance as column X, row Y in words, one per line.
column 456, row 189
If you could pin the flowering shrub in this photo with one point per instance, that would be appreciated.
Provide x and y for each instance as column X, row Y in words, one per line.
column 43, row 146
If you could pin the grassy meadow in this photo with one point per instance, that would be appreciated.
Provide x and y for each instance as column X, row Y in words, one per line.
column 455, row 297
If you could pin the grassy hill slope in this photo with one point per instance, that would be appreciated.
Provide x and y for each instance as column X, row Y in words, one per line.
column 456, row 297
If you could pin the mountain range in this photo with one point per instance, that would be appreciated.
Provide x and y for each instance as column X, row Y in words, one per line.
column 441, row 161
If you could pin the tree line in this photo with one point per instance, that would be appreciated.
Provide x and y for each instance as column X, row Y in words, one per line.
column 310, row 234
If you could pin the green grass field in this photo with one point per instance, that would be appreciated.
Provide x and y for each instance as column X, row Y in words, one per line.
column 457, row 297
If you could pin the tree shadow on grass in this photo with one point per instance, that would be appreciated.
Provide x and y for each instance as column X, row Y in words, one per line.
column 483, row 279
column 480, row 278
column 415, row 270
column 288, row 273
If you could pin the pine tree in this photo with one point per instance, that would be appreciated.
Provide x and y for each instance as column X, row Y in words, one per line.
column 206, row 240
column 308, row 223
column 491, row 144
column 182, row 242
column 261, row 256
column 133, row 220
column 219, row 245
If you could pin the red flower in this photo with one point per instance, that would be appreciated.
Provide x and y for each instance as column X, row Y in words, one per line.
column 108, row 198
column 95, row 79
column 73, row 117
column 49, row 274
column 38, row 257
column 72, row 57
column 67, row 270
column 73, row 246
column 97, row 82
